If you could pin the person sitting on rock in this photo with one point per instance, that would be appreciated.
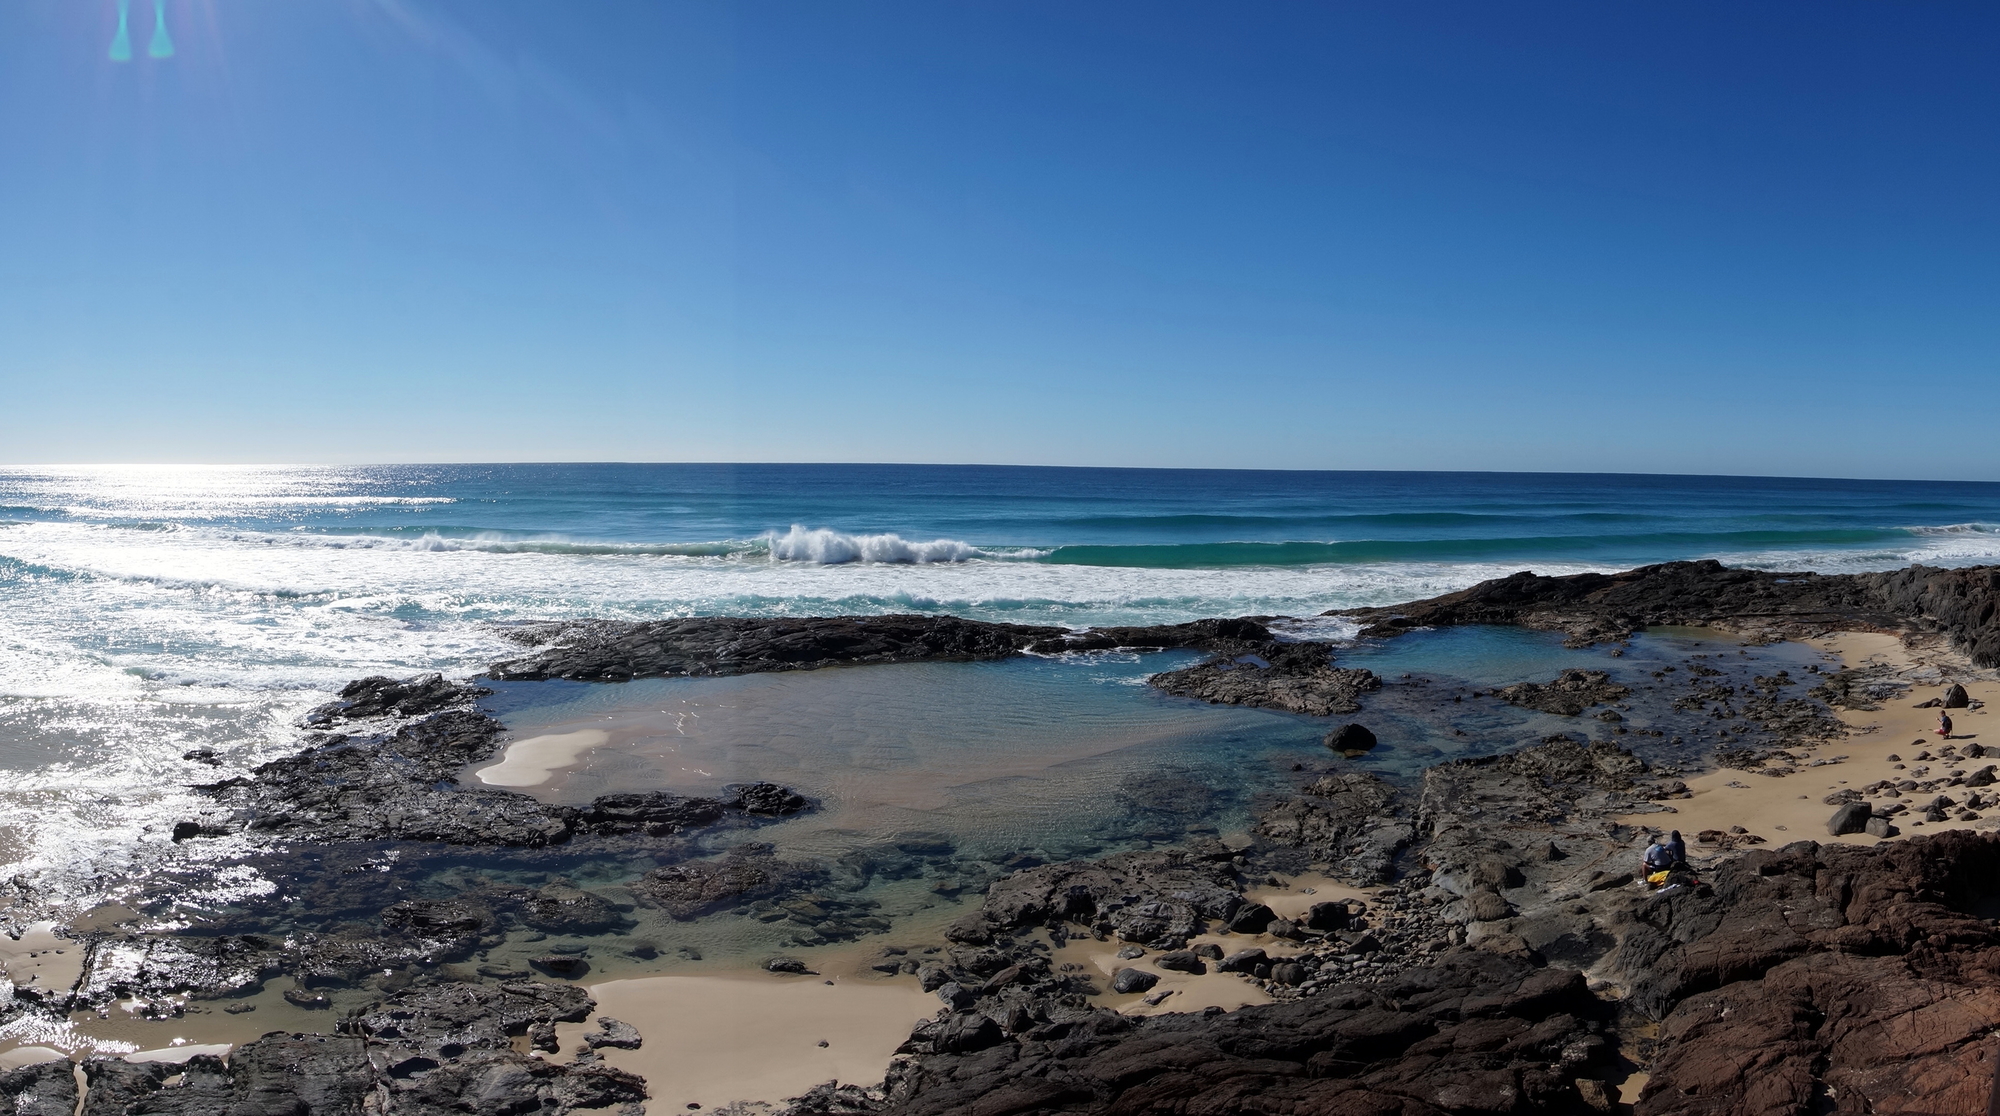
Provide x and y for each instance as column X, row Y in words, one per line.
column 1944, row 724
column 1659, row 860
column 1678, row 849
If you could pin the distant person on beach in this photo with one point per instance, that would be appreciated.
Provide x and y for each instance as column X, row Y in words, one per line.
column 1944, row 724
column 1659, row 858
column 1677, row 849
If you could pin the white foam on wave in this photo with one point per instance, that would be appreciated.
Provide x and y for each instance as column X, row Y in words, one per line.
column 1956, row 544
column 1950, row 529
column 120, row 650
column 824, row 547
column 1316, row 629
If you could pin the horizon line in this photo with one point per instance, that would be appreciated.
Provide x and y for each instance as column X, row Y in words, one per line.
column 977, row 465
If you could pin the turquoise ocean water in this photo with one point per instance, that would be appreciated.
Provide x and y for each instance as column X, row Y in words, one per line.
column 145, row 612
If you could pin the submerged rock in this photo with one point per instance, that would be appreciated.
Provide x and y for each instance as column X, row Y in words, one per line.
column 1295, row 677
column 1571, row 693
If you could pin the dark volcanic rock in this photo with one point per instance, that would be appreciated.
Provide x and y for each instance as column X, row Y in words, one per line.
column 1133, row 980
column 1850, row 818
column 611, row 651
column 690, row 890
column 561, row 908
column 767, row 799
column 1519, row 841
column 1472, row 1034
column 1221, row 636
column 116, row 1085
column 1962, row 604
column 402, row 785
column 1295, row 677
column 655, row 813
column 389, row 697
column 1863, row 974
column 279, row 1073
column 44, row 1089
column 439, row 918
column 1350, row 740
column 1356, row 822
column 397, row 786
column 1143, row 897
column 1571, row 693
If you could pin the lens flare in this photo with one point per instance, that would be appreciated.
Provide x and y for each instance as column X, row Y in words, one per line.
column 121, row 43
column 161, row 46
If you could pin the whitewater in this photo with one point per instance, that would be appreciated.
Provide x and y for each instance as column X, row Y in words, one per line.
column 165, row 626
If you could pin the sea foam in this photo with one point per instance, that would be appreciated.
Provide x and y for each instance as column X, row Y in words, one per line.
column 824, row 547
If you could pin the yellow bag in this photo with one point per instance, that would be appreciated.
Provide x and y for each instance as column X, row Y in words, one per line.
column 1657, row 878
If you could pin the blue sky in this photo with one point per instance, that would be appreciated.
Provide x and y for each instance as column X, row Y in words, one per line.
column 1756, row 238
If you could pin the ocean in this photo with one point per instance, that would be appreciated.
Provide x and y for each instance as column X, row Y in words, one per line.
column 149, row 612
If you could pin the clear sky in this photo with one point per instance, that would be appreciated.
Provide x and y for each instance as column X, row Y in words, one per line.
column 1678, row 237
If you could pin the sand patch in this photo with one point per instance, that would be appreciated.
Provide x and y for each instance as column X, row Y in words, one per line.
column 1294, row 899
column 712, row 1040
column 29, row 1056
column 1187, row 991
column 1782, row 809
column 41, row 960
column 530, row 762
column 179, row 1054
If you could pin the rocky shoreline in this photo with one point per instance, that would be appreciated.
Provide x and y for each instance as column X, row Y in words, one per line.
column 1505, row 961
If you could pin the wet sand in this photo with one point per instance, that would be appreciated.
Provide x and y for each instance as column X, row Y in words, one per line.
column 713, row 1040
column 738, row 1034
column 1792, row 807
column 531, row 762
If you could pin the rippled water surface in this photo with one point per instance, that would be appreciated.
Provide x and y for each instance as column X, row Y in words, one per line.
column 146, row 614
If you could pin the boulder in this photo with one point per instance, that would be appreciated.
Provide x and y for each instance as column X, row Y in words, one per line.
column 1242, row 961
column 1850, row 818
column 1327, row 916
column 1350, row 740
column 1252, row 919
column 1955, row 697
column 1128, row 981
column 1182, row 961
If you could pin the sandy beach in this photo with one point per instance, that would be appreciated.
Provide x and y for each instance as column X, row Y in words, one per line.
column 1781, row 803
column 713, row 1040
column 531, row 761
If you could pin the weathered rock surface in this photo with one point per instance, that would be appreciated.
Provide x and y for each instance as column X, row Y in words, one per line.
column 1960, row 604
column 1355, row 822
column 695, row 888
column 1251, row 666
column 1474, row 1033
column 1863, row 979
column 1572, row 692
column 1350, row 740
column 1150, row 898
column 1520, row 848
column 1295, row 677
column 402, row 784
column 613, row 651
column 45, row 1089
column 378, row 696
column 433, row 1050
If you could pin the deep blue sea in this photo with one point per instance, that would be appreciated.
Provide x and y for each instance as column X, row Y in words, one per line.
column 145, row 612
